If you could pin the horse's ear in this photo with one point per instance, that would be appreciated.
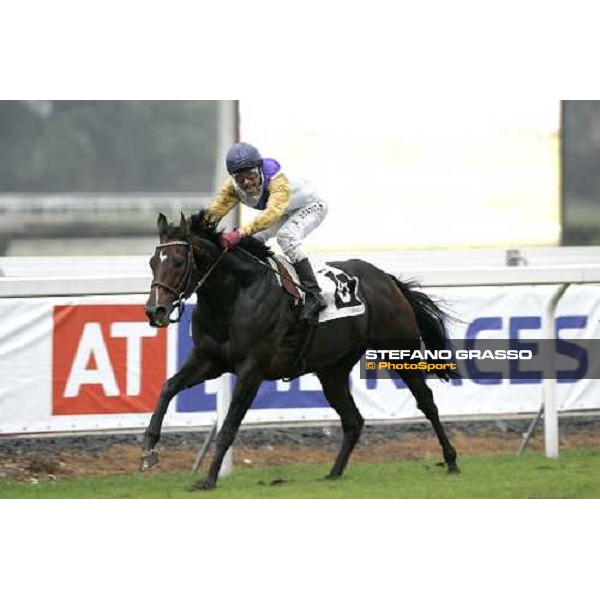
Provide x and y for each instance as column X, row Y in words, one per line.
column 183, row 226
column 162, row 225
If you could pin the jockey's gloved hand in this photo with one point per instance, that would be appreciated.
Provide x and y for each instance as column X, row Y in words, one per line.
column 228, row 240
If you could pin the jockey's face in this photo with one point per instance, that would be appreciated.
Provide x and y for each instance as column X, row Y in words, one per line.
column 248, row 180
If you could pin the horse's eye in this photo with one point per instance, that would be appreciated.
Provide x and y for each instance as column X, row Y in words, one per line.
column 152, row 261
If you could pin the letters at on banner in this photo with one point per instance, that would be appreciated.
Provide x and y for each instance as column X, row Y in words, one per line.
column 106, row 360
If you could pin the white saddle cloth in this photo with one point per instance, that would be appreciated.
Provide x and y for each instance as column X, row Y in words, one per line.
column 340, row 290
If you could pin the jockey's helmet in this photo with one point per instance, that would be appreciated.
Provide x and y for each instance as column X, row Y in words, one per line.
column 242, row 156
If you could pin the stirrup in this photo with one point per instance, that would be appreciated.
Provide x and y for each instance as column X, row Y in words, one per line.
column 313, row 305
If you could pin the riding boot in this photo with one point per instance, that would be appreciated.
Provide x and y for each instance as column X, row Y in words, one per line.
column 314, row 302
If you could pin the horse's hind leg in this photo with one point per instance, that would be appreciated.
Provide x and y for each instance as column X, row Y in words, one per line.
column 424, row 396
column 336, row 388
column 197, row 368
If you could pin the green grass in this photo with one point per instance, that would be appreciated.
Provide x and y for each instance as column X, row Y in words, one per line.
column 576, row 474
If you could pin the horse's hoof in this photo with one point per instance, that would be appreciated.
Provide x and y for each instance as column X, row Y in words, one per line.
column 149, row 461
column 332, row 477
column 205, row 484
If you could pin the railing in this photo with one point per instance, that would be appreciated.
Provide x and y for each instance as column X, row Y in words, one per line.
column 562, row 276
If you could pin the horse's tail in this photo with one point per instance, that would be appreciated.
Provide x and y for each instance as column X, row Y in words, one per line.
column 431, row 320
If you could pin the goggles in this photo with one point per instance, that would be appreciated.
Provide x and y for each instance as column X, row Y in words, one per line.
column 252, row 174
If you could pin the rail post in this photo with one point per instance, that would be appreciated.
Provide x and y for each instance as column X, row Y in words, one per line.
column 549, row 384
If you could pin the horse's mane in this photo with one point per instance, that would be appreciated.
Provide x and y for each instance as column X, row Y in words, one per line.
column 203, row 227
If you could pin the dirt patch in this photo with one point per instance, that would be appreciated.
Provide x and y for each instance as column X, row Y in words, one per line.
column 38, row 462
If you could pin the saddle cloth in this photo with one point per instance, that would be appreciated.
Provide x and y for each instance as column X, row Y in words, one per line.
column 340, row 290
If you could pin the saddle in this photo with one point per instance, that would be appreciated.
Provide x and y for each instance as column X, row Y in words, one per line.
column 340, row 290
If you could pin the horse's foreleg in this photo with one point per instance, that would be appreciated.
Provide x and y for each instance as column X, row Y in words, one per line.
column 245, row 390
column 424, row 397
column 197, row 368
column 336, row 389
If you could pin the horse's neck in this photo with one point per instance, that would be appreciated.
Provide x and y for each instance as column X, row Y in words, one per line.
column 246, row 270
column 219, row 297
column 234, row 274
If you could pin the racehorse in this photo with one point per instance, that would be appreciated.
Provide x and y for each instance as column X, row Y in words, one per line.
column 245, row 323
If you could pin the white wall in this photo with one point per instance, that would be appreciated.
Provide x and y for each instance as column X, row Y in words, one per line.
column 419, row 173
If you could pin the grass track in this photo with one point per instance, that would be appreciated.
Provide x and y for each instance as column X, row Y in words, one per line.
column 576, row 474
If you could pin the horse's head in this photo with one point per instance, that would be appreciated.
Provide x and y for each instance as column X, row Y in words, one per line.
column 174, row 269
column 183, row 259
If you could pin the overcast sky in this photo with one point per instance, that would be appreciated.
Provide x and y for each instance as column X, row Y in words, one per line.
column 420, row 173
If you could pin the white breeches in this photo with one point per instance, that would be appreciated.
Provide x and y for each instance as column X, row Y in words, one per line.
column 294, row 227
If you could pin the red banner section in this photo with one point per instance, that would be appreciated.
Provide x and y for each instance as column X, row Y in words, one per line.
column 106, row 360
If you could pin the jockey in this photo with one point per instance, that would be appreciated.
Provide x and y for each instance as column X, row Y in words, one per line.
column 290, row 210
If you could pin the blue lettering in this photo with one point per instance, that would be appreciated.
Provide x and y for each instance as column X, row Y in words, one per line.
column 476, row 327
column 571, row 349
column 516, row 324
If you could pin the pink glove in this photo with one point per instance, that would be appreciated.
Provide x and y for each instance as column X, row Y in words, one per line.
column 228, row 240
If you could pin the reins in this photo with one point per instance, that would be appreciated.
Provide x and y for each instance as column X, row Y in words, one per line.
column 270, row 268
column 208, row 272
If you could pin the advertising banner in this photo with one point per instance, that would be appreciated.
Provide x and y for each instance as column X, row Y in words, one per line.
column 93, row 363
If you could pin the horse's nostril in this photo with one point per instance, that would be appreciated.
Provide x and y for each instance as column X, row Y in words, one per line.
column 160, row 312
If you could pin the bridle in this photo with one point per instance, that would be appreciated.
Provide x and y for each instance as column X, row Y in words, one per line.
column 186, row 279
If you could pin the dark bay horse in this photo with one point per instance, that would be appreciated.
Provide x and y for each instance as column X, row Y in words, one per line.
column 244, row 323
